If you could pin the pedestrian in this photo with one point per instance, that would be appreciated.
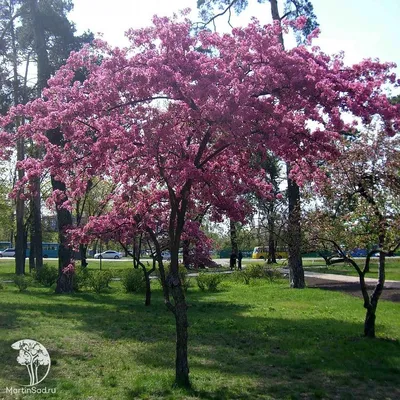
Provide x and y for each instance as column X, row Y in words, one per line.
column 232, row 261
column 240, row 256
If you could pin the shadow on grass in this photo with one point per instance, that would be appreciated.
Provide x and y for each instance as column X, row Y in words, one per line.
column 246, row 354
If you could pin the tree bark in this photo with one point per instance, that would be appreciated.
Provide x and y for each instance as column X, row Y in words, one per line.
column 271, row 239
column 43, row 74
column 369, row 324
column 20, row 245
column 295, row 262
column 181, row 322
column 83, row 254
column 233, row 232
column 64, row 219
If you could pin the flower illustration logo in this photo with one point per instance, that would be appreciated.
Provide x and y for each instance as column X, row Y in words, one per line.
column 33, row 355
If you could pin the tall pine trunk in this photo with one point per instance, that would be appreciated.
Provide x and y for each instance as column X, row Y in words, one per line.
column 43, row 74
column 20, row 242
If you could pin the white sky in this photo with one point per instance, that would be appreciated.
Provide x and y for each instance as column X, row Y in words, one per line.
column 362, row 28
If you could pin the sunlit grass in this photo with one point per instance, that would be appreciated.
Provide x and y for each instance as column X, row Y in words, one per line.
column 392, row 267
column 258, row 341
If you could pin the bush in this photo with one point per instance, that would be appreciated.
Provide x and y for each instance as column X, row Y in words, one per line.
column 183, row 276
column 208, row 281
column 81, row 277
column 47, row 275
column 1, row 286
column 98, row 280
column 22, row 282
column 257, row 271
column 133, row 281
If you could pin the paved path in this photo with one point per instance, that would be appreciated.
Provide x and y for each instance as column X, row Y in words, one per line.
column 345, row 278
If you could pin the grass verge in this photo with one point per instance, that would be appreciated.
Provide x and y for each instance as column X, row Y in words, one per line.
column 257, row 341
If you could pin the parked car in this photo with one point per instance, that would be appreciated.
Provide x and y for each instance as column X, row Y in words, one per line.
column 110, row 254
column 9, row 252
column 166, row 255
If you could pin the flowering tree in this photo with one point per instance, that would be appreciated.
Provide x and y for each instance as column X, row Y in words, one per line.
column 182, row 116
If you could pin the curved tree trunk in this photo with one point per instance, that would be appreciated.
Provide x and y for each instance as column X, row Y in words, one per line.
column 369, row 324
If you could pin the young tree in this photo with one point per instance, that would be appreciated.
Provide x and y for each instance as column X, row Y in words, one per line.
column 165, row 118
column 361, row 208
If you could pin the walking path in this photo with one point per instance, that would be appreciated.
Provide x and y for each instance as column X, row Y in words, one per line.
column 344, row 278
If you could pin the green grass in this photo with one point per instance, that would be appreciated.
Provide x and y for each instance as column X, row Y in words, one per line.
column 392, row 268
column 260, row 341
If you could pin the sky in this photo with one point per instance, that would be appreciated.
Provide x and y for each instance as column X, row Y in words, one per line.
column 361, row 28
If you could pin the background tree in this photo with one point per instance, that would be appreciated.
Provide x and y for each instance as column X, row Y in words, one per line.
column 292, row 10
column 37, row 29
column 360, row 208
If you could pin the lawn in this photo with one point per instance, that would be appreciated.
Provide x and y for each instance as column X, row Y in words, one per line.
column 392, row 267
column 257, row 341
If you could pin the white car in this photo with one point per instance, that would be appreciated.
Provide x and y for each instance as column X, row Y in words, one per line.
column 10, row 252
column 110, row 254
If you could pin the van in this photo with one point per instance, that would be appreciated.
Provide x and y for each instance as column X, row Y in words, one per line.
column 261, row 253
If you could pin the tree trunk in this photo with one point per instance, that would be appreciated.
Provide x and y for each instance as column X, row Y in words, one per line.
column 83, row 254
column 20, row 247
column 64, row 218
column 43, row 74
column 369, row 324
column 37, row 238
column 234, row 242
column 295, row 262
column 181, row 322
column 271, row 240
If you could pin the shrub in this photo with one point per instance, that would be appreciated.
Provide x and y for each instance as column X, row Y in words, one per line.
column 183, row 275
column 22, row 282
column 98, row 280
column 242, row 276
column 80, row 279
column 1, row 286
column 133, row 281
column 208, row 281
column 257, row 271
column 46, row 276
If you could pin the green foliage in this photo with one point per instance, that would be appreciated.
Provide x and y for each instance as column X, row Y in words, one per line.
column 22, row 282
column 1, row 285
column 183, row 275
column 208, row 281
column 81, row 278
column 98, row 280
column 133, row 281
column 257, row 271
column 47, row 275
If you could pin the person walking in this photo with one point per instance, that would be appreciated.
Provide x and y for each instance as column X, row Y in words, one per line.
column 240, row 256
column 232, row 261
